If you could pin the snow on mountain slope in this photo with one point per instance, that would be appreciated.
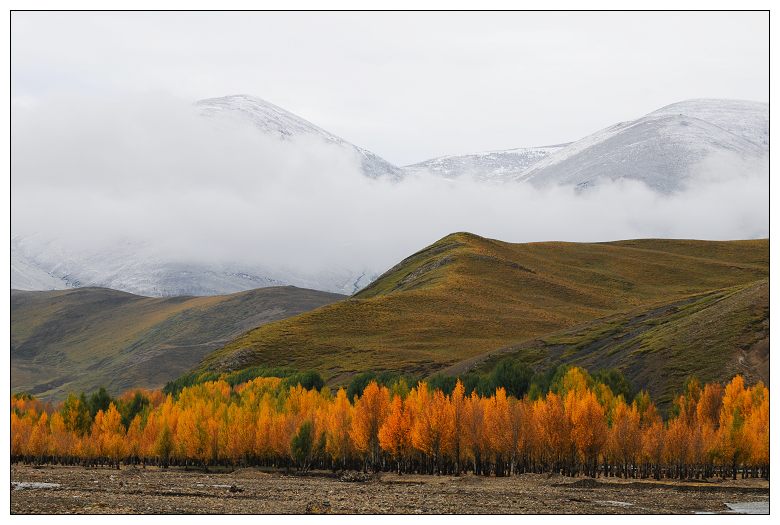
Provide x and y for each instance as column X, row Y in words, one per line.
column 131, row 267
column 745, row 118
column 40, row 264
column 275, row 121
column 25, row 275
column 660, row 149
column 499, row 166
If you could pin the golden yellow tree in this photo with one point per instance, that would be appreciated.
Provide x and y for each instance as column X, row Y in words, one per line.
column 553, row 428
column 625, row 436
column 21, row 428
column 240, row 429
column 395, row 433
column 191, row 437
column 432, row 429
column 588, row 428
column 458, row 402
column 498, row 424
column 338, row 424
column 653, row 442
column 134, row 438
column 38, row 445
column 757, row 428
column 369, row 415
column 732, row 442
column 265, row 415
column 709, row 404
column 108, row 434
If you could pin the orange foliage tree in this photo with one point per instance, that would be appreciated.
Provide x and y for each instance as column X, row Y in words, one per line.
column 578, row 427
column 370, row 413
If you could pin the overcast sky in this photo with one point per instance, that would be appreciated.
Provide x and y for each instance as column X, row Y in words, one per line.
column 408, row 86
column 106, row 141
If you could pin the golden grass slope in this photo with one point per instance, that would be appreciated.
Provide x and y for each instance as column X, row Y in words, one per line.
column 465, row 295
column 83, row 338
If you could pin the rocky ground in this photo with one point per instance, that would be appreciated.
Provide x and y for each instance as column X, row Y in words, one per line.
column 65, row 490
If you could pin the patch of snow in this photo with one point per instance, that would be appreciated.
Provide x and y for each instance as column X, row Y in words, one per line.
column 26, row 485
column 487, row 166
column 612, row 503
column 750, row 507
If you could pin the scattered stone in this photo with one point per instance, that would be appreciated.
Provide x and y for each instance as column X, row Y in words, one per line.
column 318, row 507
column 171, row 490
column 353, row 476
column 587, row 483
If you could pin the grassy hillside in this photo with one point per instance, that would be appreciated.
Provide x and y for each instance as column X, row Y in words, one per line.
column 82, row 338
column 714, row 335
column 465, row 295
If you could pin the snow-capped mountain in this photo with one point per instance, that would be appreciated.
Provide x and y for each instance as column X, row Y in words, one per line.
column 661, row 149
column 280, row 123
column 498, row 166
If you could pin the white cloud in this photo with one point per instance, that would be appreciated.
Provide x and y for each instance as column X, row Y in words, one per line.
column 98, row 171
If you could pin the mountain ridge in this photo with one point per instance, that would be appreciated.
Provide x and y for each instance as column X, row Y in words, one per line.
column 665, row 148
column 720, row 126
column 486, row 166
column 465, row 295
column 276, row 121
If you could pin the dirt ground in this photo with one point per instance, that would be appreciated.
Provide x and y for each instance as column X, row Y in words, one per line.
column 66, row 490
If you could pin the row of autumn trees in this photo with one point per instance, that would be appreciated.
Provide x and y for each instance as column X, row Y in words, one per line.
column 578, row 427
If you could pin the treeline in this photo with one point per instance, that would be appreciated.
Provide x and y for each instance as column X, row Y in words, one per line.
column 308, row 379
column 578, row 426
column 516, row 377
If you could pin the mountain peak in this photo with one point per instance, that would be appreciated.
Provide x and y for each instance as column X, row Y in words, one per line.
column 661, row 148
column 277, row 122
column 747, row 119
column 266, row 116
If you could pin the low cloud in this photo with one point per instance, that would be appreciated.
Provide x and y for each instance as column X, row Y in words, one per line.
column 180, row 187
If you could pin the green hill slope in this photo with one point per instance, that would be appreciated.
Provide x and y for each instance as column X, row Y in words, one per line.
column 714, row 336
column 79, row 339
column 465, row 295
